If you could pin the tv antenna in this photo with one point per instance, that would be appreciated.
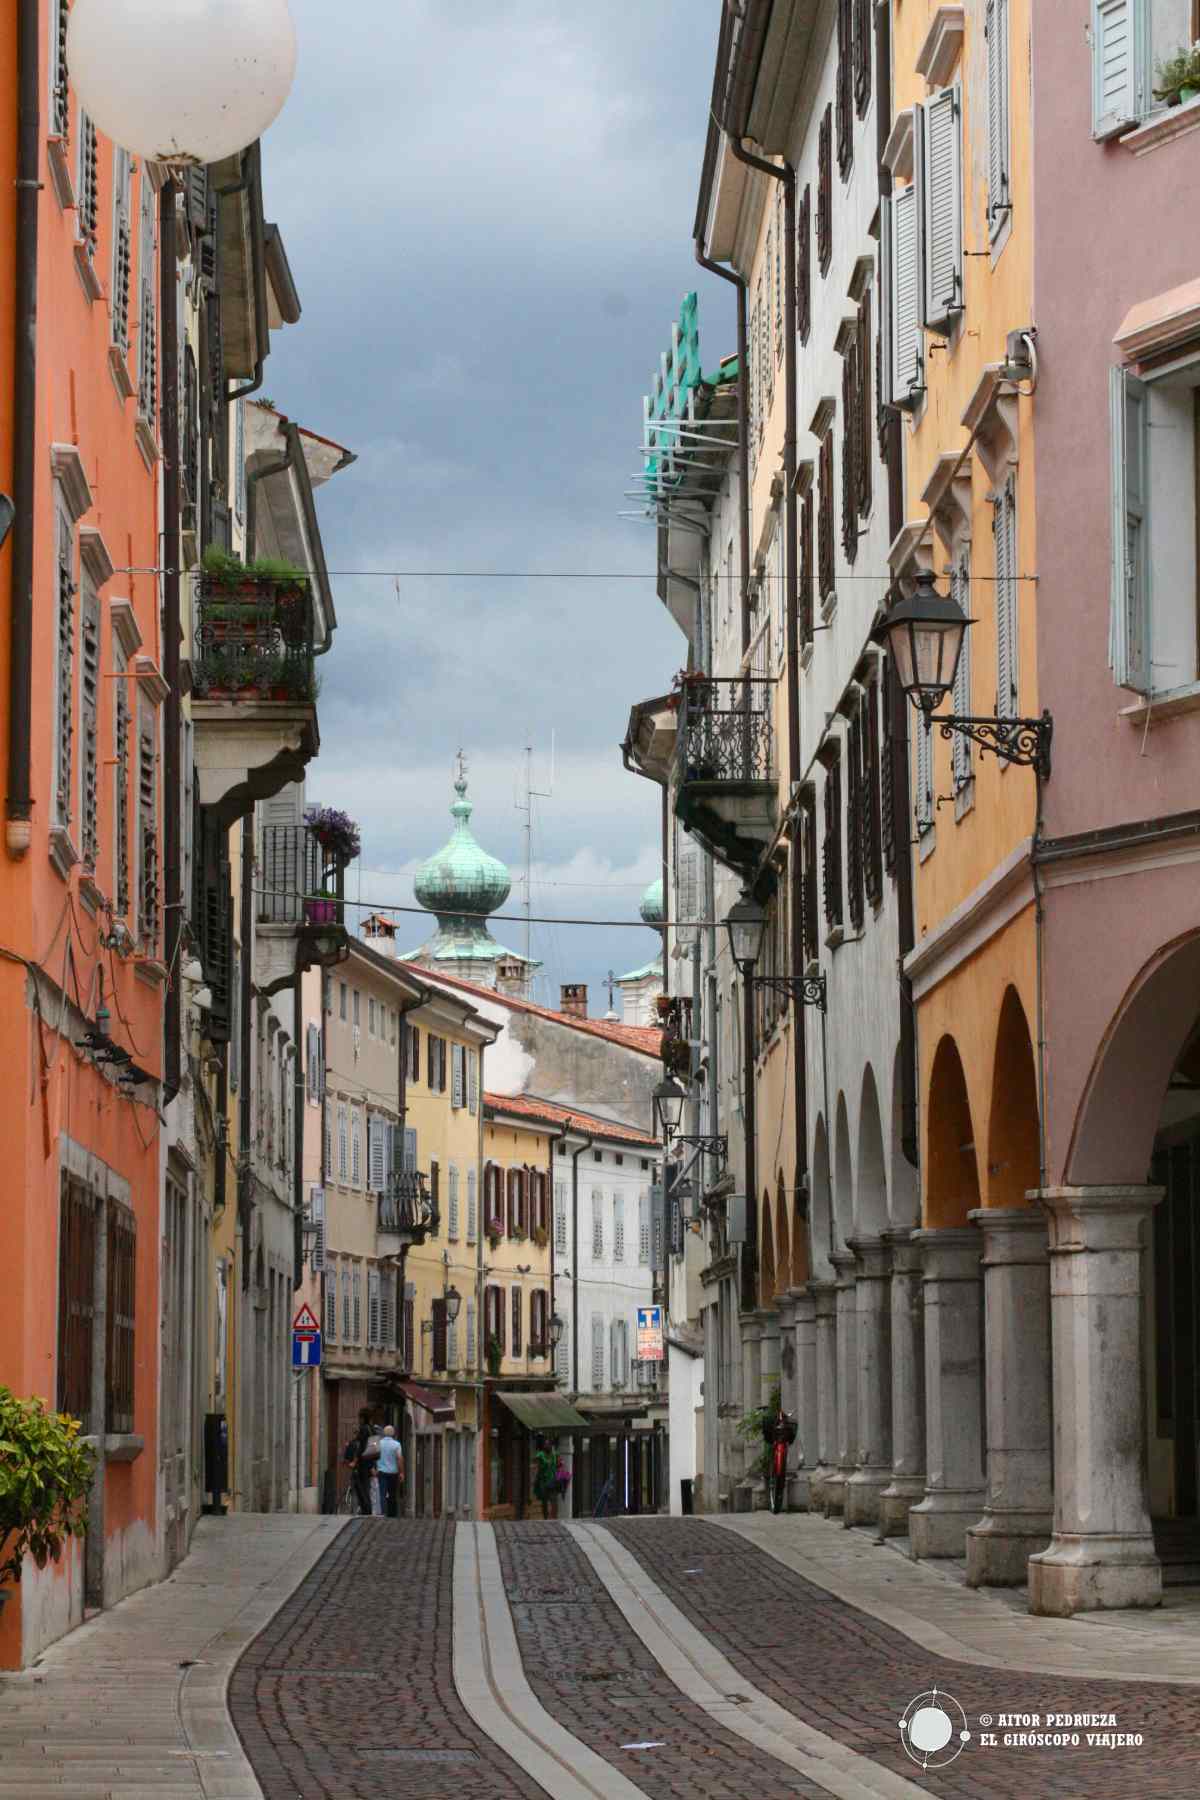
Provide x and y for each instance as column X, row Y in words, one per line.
column 525, row 805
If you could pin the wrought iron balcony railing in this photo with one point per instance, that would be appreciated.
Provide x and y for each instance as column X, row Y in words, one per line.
column 406, row 1209
column 294, row 864
column 254, row 641
column 724, row 731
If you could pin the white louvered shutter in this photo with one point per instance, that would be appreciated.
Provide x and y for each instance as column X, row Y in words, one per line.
column 330, row 1306
column 614, row 1353
column 1129, row 618
column 560, row 1218
column 470, row 1334
column 373, row 1321
column 472, row 1207
column 618, row 1228
column 312, row 1068
column 961, row 743
column 597, row 1353
column 343, row 1166
column 473, row 1081
column 316, row 1212
column 996, row 33
column 906, row 359
column 1120, row 62
column 597, row 1225
column 357, row 1292
column 940, row 176
column 345, row 1305
column 356, row 1168
column 1004, row 525
column 562, row 1358
column 687, row 878
column 923, row 772
column 452, row 1204
column 457, row 1083
column 644, row 1228
column 376, row 1155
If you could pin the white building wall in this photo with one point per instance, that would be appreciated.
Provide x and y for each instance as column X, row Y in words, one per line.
column 610, row 1288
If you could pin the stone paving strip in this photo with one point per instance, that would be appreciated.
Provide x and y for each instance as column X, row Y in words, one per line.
column 853, row 1676
column 349, row 1693
column 1159, row 1644
column 132, row 1706
column 592, row 1672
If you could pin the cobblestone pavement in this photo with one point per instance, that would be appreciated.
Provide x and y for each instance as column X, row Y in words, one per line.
column 349, row 1693
column 852, row 1677
column 593, row 1674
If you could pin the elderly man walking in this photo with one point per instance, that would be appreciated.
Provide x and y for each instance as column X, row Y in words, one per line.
column 389, row 1468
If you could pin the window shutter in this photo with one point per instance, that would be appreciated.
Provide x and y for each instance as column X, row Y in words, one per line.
column 312, row 1039
column 358, row 1306
column 845, row 86
column 643, row 1227
column 854, row 822
column 939, row 171
column 345, row 1305
column 872, row 828
column 410, row 1150
column 438, row 1313
column 996, row 33
column 825, row 191
column 905, row 357
column 826, row 562
column 862, row 55
column 452, row 1223
column 356, row 1146
column 330, row 1307
column 451, row 1342
column 832, row 857
column 618, row 1228
column 373, row 1318
column 597, row 1225
column 658, row 1227
column 387, row 1308
column 122, row 254
column 377, row 1154
column 923, row 773
column 1119, row 66
column 435, row 1191
column 516, row 1321
column 510, row 1202
column 472, row 1081
column 560, row 1218
column 65, row 669
column 441, row 1065
column 614, row 1373
column 343, row 1142
column 597, row 1353
column 562, row 1359
column 471, row 1352
column 431, row 1061
column 60, row 104
column 456, row 1075
column 472, row 1208
column 1004, row 526
column 328, row 1169
column 961, row 751
column 804, row 265
column 1128, row 628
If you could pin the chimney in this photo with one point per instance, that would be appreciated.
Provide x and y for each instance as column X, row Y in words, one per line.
column 380, row 934
column 574, row 999
column 512, row 979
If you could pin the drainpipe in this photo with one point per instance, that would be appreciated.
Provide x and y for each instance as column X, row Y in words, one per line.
column 575, row 1156
column 172, row 712
column 298, row 1105
column 19, row 805
column 892, row 697
column 246, row 1096
column 743, row 431
column 250, row 184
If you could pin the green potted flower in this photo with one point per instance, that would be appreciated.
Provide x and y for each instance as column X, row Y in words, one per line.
column 335, row 831
column 494, row 1353
column 45, row 1474
column 1179, row 77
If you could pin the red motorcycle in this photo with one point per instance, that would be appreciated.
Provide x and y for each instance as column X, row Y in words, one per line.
column 783, row 1436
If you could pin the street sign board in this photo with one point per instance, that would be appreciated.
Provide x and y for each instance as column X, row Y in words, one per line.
column 306, row 1320
column 650, row 1334
column 306, row 1349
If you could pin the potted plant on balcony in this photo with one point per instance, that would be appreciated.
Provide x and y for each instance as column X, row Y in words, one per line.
column 45, row 1474
column 321, row 910
column 539, row 1236
column 335, row 831
column 1179, row 76
column 494, row 1353
column 493, row 1236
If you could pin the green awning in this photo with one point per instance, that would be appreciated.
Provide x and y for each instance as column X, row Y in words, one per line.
column 543, row 1412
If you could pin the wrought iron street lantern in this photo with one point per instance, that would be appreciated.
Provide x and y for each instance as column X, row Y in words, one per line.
column 453, row 1300
column 746, row 923
column 557, row 1327
column 668, row 1101
column 924, row 635
column 188, row 82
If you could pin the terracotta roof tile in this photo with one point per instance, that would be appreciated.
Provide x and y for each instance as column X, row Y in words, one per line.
column 646, row 1038
column 528, row 1106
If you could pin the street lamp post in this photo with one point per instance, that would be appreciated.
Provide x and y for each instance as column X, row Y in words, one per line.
column 746, row 923
column 924, row 636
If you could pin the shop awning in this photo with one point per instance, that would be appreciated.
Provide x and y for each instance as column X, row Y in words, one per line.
column 438, row 1402
column 543, row 1412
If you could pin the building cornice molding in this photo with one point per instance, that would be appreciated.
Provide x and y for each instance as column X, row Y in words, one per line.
column 998, row 899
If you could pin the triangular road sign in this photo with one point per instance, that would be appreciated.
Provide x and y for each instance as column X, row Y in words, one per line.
column 306, row 1320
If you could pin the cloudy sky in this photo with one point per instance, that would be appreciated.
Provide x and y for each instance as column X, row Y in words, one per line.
column 488, row 213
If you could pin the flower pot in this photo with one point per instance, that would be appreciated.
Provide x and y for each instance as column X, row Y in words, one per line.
column 1188, row 93
column 320, row 912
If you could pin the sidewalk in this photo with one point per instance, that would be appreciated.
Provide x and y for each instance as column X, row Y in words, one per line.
column 132, row 1705
column 931, row 1604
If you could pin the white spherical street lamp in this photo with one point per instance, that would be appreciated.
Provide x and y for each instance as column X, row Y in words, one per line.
column 183, row 81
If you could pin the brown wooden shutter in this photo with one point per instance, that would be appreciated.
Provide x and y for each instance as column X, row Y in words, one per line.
column 854, row 822
column 845, row 87
column 887, row 775
column 850, row 443
column 825, row 191
column 811, row 923
column 516, row 1322
column 866, row 438
column 438, row 1310
column 833, row 843
column 863, row 48
column 807, row 568
column 435, row 1191
column 826, row 564
column 510, row 1197
column 431, row 1061
column 873, row 846
column 804, row 265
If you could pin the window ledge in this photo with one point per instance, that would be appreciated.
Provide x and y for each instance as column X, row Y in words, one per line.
column 63, row 854
column 119, row 1446
column 90, row 280
column 926, row 842
column 150, row 970
column 58, row 155
column 964, row 799
column 834, row 937
column 1175, row 122
column 1171, row 703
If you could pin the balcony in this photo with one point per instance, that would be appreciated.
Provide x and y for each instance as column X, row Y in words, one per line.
column 724, row 769
column 253, row 687
column 407, row 1214
column 299, row 905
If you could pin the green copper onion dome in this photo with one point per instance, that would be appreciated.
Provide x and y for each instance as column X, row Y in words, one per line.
column 651, row 907
column 461, row 878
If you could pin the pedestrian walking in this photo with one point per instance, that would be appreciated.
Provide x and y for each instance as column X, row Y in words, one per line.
column 390, row 1469
column 545, row 1475
column 362, row 1453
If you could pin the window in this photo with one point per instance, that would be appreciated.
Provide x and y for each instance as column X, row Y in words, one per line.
column 316, row 1213
column 995, row 32
column 356, row 1147
column 147, row 828
column 516, row 1321
column 373, row 1309
column 866, row 438
column 560, row 1218
column 903, row 347
column 408, row 1326
column 1156, row 513
column 862, row 55
column 341, row 1000
column 493, row 1209
column 960, row 755
column 76, row 1307
column 89, row 702
column 1004, row 528
column 472, row 1057
column 387, row 1309
column 832, row 850
column 644, row 1228
column 597, row 1225
column 825, row 192
column 845, row 86
column 1130, row 39
column 472, row 1208
column 923, row 775
column 619, row 1353
column 357, row 1007
column 452, row 1219
column 343, row 1162
column 618, row 1228
column 120, row 1360
column 597, row 1352
column 60, row 94
column 357, row 1305
column 377, row 1146
column 887, row 784
column 493, row 1318
column 855, row 810
column 451, row 1342
column 872, row 796
column 471, row 1351
column 851, row 445
column 329, row 1308
column 121, row 737
column 414, row 1052
column 65, row 671
column 122, row 262
column 562, row 1357
column 346, row 1320
column 435, row 1191
column 807, row 570
column 440, row 1347
column 826, row 564
column 371, row 1015
column 938, row 164
column 457, row 1076
column 87, row 188
column 598, row 1156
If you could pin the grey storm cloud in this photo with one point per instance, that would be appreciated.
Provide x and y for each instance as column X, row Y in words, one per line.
column 488, row 212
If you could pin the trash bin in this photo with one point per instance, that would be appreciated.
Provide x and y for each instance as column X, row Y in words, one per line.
column 685, row 1497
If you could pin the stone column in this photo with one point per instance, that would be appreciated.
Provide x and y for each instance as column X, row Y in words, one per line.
column 847, row 1381
column 769, row 1373
column 800, row 1486
column 907, row 1485
column 874, row 1332
column 825, row 1305
column 1016, row 1310
column 1102, row 1550
column 787, row 1349
column 751, row 1327
column 954, row 1482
